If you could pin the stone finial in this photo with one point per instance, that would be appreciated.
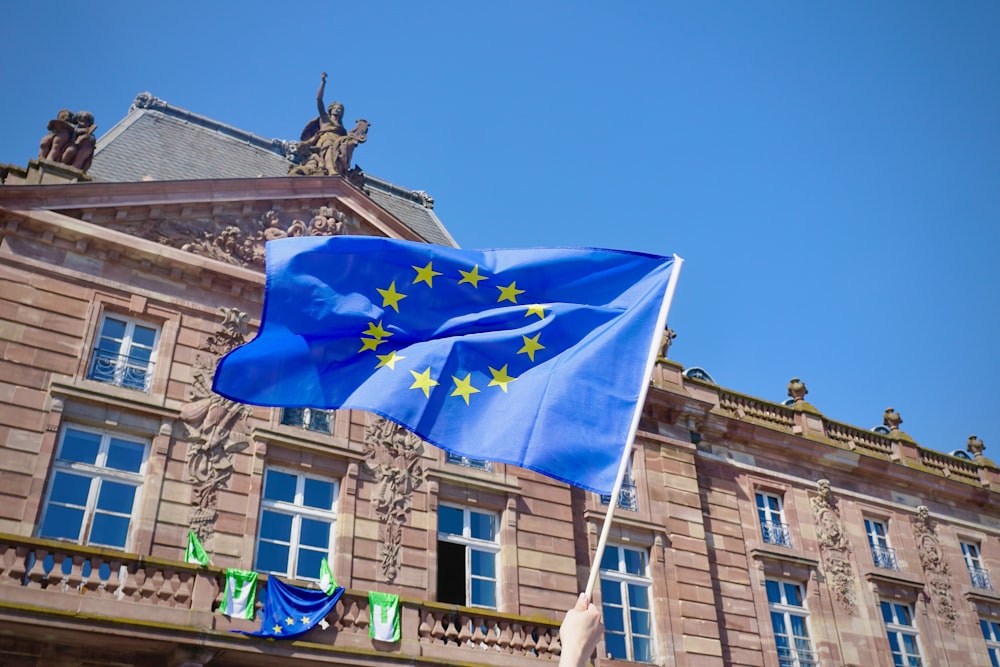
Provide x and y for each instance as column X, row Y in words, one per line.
column 892, row 419
column 668, row 338
column 975, row 447
column 797, row 390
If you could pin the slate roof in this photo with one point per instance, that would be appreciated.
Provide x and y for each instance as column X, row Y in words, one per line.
column 160, row 142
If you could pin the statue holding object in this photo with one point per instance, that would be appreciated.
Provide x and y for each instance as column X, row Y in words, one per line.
column 326, row 147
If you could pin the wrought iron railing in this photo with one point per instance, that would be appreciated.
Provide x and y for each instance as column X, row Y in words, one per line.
column 776, row 533
column 628, row 498
column 478, row 464
column 884, row 557
column 980, row 578
column 320, row 421
column 789, row 657
column 121, row 370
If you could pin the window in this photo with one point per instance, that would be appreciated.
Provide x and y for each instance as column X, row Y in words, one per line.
column 878, row 539
column 125, row 353
column 479, row 464
column 625, row 600
column 628, row 497
column 320, row 421
column 92, row 492
column 773, row 528
column 788, row 618
column 296, row 524
column 979, row 575
column 991, row 633
column 899, row 626
column 467, row 557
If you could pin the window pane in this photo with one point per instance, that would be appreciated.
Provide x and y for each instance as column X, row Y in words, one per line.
column 308, row 563
column 293, row 416
column 611, row 592
column 115, row 497
column 638, row 596
column 274, row 526
column 80, row 446
column 793, row 595
column 449, row 520
column 482, row 526
column 125, row 455
column 62, row 523
column 315, row 533
column 773, row 591
column 640, row 622
column 642, row 650
column 113, row 328
column 109, row 530
column 635, row 561
column 272, row 557
column 778, row 621
column 143, row 336
column 70, row 489
column 886, row 612
column 614, row 619
column 610, row 559
column 319, row 420
column 279, row 486
column 318, row 494
column 483, row 564
column 903, row 615
column 615, row 646
column 484, row 593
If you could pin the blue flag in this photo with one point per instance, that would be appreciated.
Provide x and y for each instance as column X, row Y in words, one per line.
column 290, row 611
column 533, row 357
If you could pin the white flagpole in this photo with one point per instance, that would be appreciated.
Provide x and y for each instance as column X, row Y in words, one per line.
column 654, row 349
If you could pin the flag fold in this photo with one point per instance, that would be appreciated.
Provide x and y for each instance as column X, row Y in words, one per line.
column 290, row 611
column 195, row 553
column 533, row 357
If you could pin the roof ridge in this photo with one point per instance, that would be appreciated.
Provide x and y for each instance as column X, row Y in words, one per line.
column 282, row 147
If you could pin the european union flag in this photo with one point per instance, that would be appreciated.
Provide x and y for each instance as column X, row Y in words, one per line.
column 290, row 611
column 533, row 357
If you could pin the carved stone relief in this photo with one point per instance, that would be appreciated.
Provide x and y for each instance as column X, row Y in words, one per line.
column 216, row 427
column 326, row 146
column 935, row 568
column 834, row 547
column 70, row 139
column 392, row 455
column 238, row 241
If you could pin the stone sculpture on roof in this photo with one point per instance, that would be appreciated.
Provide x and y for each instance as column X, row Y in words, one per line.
column 326, row 147
column 70, row 139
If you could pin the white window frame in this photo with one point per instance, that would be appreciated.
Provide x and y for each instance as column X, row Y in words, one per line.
column 628, row 496
column 297, row 510
column 623, row 579
column 98, row 474
column 991, row 635
column 475, row 544
column 787, row 610
column 121, row 364
column 901, row 630
column 773, row 526
column 978, row 575
column 883, row 555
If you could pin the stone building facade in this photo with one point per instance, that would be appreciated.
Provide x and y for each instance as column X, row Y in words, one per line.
column 748, row 532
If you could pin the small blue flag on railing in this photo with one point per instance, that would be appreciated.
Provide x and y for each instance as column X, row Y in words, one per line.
column 533, row 357
column 290, row 611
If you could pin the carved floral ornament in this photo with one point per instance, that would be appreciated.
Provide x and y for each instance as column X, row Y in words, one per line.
column 935, row 567
column 834, row 547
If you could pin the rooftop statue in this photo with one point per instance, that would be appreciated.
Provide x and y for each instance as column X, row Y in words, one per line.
column 325, row 147
column 70, row 139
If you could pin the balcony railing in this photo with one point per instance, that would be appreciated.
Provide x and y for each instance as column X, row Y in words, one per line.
column 884, row 557
column 308, row 418
column 140, row 595
column 980, row 578
column 776, row 533
column 628, row 498
column 121, row 370
column 788, row 657
column 478, row 464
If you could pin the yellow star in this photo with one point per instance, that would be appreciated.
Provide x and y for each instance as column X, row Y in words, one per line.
column 464, row 387
column 423, row 381
column 472, row 277
column 426, row 274
column 500, row 378
column 536, row 309
column 389, row 360
column 509, row 293
column 390, row 297
column 531, row 345
column 370, row 344
column 305, row 620
column 376, row 330
column 289, row 621
column 276, row 630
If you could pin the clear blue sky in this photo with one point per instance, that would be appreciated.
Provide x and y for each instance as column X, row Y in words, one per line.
column 830, row 171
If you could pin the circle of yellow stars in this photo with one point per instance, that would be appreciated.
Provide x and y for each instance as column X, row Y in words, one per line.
column 376, row 334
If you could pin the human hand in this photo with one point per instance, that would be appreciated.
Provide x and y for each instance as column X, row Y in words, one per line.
column 579, row 633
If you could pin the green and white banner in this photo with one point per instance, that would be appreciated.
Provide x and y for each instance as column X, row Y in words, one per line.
column 241, row 594
column 384, row 608
column 195, row 553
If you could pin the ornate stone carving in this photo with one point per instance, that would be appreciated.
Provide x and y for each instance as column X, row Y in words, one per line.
column 935, row 567
column 70, row 139
column 797, row 390
column 834, row 547
column 665, row 342
column 975, row 447
column 326, row 147
column 215, row 426
column 892, row 419
column 392, row 455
